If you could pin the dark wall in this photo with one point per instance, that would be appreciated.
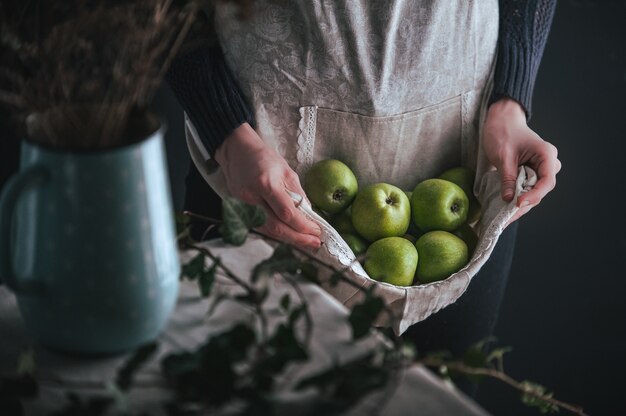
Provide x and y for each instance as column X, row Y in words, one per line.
column 564, row 312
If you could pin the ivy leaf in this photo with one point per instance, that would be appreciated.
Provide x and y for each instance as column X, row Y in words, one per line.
column 209, row 374
column 285, row 301
column 284, row 260
column 343, row 385
column 282, row 252
column 126, row 373
column 286, row 345
column 207, row 278
column 364, row 314
column 498, row 354
column 473, row 357
column 238, row 219
column 261, row 295
column 26, row 363
column 532, row 401
column 482, row 344
column 282, row 348
column 182, row 222
column 194, row 267
column 296, row 314
column 176, row 365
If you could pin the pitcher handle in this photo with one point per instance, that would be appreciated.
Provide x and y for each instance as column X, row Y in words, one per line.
column 35, row 175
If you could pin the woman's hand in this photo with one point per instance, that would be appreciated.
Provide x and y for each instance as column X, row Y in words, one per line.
column 510, row 143
column 258, row 175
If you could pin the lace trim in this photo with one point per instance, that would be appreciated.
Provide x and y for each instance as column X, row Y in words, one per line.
column 467, row 128
column 306, row 138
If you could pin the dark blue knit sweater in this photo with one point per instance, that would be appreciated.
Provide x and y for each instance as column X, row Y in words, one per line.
column 207, row 91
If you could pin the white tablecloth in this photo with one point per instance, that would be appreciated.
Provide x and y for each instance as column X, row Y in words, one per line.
column 418, row 391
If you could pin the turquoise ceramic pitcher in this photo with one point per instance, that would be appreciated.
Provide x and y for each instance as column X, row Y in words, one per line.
column 88, row 245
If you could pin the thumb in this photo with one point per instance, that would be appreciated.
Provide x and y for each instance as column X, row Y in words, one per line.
column 508, row 175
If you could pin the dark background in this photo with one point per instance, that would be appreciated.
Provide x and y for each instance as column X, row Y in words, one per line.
column 564, row 312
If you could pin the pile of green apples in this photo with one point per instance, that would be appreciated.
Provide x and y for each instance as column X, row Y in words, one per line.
column 402, row 237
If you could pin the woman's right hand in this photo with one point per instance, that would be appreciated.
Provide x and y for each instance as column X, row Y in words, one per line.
column 258, row 175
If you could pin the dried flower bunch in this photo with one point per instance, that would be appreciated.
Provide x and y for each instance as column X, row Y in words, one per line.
column 79, row 72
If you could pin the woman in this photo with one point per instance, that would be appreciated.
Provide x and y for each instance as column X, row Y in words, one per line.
column 385, row 87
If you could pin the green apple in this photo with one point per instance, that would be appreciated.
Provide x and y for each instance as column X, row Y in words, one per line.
column 381, row 210
column 342, row 222
column 330, row 185
column 438, row 204
column 466, row 233
column 356, row 243
column 464, row 177
column 441, row 254
column 392, row 260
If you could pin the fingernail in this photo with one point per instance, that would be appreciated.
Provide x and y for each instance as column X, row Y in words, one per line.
column 524, row 204
column 508, row 196
column 317, row 231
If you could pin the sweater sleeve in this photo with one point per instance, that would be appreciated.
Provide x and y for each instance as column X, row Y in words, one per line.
column 208, row 93
column 524, row 28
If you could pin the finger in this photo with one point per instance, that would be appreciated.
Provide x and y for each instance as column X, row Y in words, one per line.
column 284, row 208
column 546, row 172
column 292, row 183
column 275, row 228
column 508, row 176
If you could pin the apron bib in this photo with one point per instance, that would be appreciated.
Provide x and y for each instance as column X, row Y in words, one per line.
column 394, row 89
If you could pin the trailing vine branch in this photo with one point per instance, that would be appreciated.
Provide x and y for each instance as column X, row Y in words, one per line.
column 306, row 311
column 333, row 269
column 239, row 367
column 437, row 362
column 229, row 273
column 530, row 391
column 232, row 276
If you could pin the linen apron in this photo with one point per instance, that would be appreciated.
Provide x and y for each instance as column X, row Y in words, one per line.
column 394, row 89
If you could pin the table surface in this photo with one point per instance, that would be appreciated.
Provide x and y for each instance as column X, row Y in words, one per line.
column 189, row 326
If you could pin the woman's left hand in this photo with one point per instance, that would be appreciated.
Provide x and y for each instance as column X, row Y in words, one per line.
column 510, row 143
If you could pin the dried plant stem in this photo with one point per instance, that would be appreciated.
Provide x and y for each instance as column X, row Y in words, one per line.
column 91, row 67
column 193, row 9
